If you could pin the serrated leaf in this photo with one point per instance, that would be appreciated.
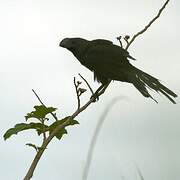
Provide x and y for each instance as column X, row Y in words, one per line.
column 63, row 131
column 39, row 127
column 59, row 122
column 40, row 112
column 33, row 146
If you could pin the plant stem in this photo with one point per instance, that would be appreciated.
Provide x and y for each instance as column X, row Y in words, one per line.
column 50, row 137
column 148, row 25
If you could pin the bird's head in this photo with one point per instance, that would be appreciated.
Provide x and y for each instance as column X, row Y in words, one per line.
column 72, row 43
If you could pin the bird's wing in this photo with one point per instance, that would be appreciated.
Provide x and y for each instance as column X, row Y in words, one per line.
column 124, row 52
column 104, row 53
column 107, row 60
column 101, row 42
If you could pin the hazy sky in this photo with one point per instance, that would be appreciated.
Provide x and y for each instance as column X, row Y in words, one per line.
column 136, row 131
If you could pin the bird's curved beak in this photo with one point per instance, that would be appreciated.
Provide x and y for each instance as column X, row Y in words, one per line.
column 64, row 43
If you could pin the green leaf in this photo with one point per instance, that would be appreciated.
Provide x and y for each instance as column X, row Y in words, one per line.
column 39, row 127
column 40, row 112
column 33, row 146
column 63, row 131
column 59, row 122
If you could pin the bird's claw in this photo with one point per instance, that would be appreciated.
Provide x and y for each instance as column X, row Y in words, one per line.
column 95, row 97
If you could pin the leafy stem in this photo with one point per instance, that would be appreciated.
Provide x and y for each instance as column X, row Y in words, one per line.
column 54, row 132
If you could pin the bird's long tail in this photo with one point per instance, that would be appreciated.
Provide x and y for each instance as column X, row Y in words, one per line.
column 143, row 80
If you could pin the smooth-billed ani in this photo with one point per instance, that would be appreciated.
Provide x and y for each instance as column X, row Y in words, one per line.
column 110, row 62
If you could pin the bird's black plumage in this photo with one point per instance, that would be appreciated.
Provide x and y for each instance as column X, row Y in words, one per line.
column 111, row 62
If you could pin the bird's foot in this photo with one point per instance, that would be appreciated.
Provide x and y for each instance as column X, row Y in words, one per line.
column 95, row 97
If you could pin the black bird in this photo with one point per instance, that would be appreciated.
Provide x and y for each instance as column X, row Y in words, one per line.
column 111, row 62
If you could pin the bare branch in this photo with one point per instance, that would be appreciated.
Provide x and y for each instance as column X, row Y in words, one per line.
column 148, row 25
column 44, row 136
column 38, row 97
column 126, row 38
column 44, row 133
column 119, row 39
column 54, row 115
column 77, row 94
column 86, row 83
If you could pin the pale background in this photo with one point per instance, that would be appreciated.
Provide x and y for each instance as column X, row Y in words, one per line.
column 136, row 131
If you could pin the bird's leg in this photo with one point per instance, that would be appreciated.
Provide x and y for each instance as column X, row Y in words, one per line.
column 104, row 88
column 95, row 95
column 100, row 91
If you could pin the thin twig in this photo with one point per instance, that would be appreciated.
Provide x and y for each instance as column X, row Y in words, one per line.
column 77, row 94
column 104, row 88
column 86, row 83
column 44, row 132
column 38, row 97
column 55, row 117
column 127, row 42
column 44, row 136
column 119, row 39
column 148, row 25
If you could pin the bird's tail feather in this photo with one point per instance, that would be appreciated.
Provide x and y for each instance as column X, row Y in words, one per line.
column 143, row 80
